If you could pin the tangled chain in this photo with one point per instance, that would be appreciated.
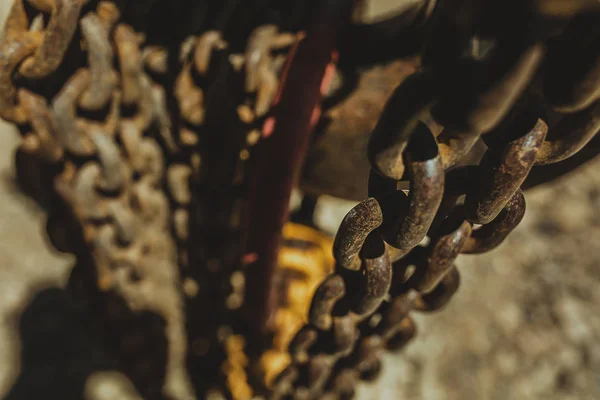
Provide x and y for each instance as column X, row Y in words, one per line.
column 116, row 170
column 98, row 139
column 395, row 252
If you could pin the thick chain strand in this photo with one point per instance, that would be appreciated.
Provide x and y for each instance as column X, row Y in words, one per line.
column 396, row 252
column 101, row 150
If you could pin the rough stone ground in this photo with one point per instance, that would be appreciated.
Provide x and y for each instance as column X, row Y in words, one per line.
column 524, row 324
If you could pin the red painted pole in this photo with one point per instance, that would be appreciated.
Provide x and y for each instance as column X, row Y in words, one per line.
column 279, row 157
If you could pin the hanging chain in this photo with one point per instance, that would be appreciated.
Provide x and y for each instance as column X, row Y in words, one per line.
column 396, row 252
column 87, row 151
column 103, row 152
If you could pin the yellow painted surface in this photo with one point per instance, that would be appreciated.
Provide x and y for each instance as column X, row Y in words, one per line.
column 314, row 263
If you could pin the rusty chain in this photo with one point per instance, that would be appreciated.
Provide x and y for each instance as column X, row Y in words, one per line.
column 396, row 252
column 99, row 143
column 129, row 180
column 107, row 169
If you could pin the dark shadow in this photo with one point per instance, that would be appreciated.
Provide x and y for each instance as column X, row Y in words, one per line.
column 67, row 334
column 139, row 342
column 58, row 351
column 134, row 341
column 305, row 214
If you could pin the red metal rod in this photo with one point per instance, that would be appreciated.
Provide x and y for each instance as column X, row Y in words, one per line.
column 279, row 157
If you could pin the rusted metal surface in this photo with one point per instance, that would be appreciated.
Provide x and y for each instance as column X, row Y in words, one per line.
column 356, row 226
column 503, row 170
column 167, row 168
column 345, row 129
column 115, row 202
column 469, row 97
column 109, row 144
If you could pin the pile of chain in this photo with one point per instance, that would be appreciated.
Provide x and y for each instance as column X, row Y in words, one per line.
column 94, row 152
column 104, row 151
column 481, row 77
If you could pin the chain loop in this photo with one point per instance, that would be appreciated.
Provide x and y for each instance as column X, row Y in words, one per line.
column 502, row 171
column 353, row 231
column 57, row 36
column 570, row 135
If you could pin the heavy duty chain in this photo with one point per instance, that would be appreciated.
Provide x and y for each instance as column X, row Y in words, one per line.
column 395, row 252
column 88, row 150
column 115, row 169
column 139, row 146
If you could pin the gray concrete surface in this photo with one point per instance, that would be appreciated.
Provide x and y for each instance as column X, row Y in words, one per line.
column 28, row 264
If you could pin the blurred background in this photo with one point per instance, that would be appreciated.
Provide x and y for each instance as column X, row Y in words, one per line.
column 525, row 323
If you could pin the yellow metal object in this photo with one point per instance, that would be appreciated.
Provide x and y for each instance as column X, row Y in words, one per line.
column 304, row 260
column 308, row 253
